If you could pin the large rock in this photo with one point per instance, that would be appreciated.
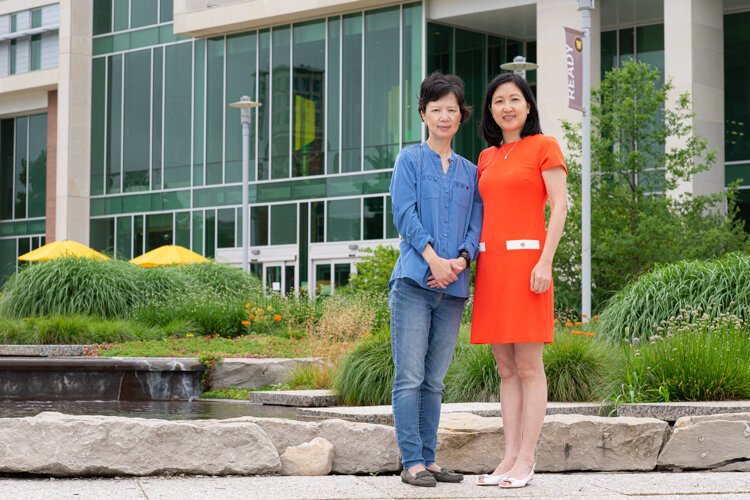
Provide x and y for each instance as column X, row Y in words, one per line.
column 308, row 459
column 707, row 442
column 64, row 445
column 474, row 444
column 358, row 447
column 251, row 373
column 578, row 442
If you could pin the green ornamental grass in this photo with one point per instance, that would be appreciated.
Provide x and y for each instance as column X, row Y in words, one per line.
column 716, row 286
column 74, row 329
column 365, row 375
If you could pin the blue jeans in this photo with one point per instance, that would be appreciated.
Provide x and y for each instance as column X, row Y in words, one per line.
column 424, row 330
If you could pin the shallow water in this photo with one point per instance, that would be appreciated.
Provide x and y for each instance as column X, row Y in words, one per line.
column 167, row 410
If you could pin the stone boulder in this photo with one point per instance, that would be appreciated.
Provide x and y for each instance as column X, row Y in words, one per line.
column 707, row 442
column 359, row 448
column 252, row 373
column 308, row 459
column 474, row 444
column 66, row 445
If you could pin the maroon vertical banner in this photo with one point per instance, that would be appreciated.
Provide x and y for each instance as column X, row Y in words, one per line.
column 574, row 63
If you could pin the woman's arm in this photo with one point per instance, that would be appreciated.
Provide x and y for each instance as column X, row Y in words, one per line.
column 554, row 181
column 404, row 197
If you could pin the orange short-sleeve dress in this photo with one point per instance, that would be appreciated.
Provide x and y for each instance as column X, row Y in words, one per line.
column 505, row 310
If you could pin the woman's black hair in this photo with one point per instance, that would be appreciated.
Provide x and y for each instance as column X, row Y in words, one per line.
column 491, row 130
column 437, row 85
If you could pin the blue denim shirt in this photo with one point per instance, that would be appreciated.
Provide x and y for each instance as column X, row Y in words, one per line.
column 444, row 210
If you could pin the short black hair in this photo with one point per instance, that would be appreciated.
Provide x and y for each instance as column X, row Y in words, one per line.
column 491, row 130
column 437, row 85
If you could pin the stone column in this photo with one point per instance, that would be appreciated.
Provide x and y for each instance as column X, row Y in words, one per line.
column 552, row 16
column 694, row 60
column 51, row 197
column 74, row 121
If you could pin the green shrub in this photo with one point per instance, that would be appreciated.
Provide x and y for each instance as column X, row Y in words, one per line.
column 163, row 284
column 71, row 286
column 301, row 313
column 694, row 358
column 715, row 286
column 365, row 375
column 576, row 367
column 223, row 280
column 73, row 330
column 209, row 315
column 374, row 270
column 310, row 376
column 473, row 375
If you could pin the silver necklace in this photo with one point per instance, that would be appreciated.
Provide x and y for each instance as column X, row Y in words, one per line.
column 511, row 149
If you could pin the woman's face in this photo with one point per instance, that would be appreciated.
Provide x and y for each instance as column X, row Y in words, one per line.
column 442, row 117
column 509, row 109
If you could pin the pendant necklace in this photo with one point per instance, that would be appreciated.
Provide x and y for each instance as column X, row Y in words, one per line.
column 511, row 149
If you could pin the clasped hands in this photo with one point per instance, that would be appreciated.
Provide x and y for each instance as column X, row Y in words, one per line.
column 444, row 271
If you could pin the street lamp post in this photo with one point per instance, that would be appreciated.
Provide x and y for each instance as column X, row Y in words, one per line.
column 519, row 66
column 244, row 104
column 585, row 7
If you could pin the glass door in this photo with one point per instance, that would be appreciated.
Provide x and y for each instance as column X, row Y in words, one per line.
column 330, row 275
column 280, row 277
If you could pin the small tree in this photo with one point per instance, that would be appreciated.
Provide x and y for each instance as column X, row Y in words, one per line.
column 637, row 221
column 374, row 270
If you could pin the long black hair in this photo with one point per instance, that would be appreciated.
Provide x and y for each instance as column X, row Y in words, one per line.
column 490, row 130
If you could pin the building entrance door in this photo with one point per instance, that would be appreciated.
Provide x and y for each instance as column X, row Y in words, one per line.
column 331, row 274
column 280, row 277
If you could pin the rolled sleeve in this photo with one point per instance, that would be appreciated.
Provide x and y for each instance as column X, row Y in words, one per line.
column 403, row 191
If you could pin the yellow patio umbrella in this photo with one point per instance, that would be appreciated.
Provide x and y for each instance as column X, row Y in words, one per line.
column 167, row 255
column 62, row 248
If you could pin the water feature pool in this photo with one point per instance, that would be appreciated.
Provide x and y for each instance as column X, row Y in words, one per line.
column 167, row 410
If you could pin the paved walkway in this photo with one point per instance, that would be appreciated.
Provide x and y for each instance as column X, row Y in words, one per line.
column 686, row 485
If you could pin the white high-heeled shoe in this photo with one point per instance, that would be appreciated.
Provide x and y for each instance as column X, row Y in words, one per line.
column 518, row 483
column 491, row 479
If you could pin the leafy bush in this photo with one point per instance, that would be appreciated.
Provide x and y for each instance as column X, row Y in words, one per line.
column 365, row 375
column 716, row 287
column 690, row 359
column 374, row 270
column 301, row 313
column 72, row 286
column 209, row 314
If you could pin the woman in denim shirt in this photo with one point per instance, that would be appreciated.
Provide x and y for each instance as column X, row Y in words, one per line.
column 438, row 212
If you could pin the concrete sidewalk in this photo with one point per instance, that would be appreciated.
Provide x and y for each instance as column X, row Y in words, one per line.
column 693, row 485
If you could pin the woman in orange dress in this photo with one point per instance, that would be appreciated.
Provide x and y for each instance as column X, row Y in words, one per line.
column 513, row 305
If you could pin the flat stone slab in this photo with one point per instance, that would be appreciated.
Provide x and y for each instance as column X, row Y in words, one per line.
column 42, row 350
column 384, row 414
column 670, row 412
column 310, row 398
column 253, row 373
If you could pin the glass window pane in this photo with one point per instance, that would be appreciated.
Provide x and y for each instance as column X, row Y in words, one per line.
column 264, row 97
column 209, row 241
column 471, row 63
column 197, row 245
column 22, row 128
column 373, row 218
column 158, row 231
column 412, row 72
column 166, row 13
column 382, row 99
column 280, row 103
column 98, row 103
column 102, row 235
column 439, row 48
column 156, row 118
column 344, row 219
column 283, row 224
column 240, row 82
column 351, row 68
column 390, row 227
column 334, row 71
column 317, row 222
column 650, row 46
column 102, row 16
column 7, row 135
column 122, row 9
column 114, row 123
column 322, row 280
column 225, row 228
column 36, row 52
column 143, row 13
column 138, row 236
column 37, row 165
column 609, row 51
column 13, row 23
column 215, row 111
column 36, row 18
column 627, row 45
column 736, row 96
column 124, row 238
column 309, row 88
column 137, row 121
column 259, row 226
column 182, row 229
column 199, row 104
column 341, row 274
column 304, row 244
column 177, row 89
column 12, row 69
column 8, row 259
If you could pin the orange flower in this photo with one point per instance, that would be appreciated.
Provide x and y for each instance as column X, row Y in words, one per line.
column 248, row 304
column 277, row 317
column 252, row 316
column 246, row 323
column 568, row 324
column 578, row 323
column 584, row 315
column 595, row 316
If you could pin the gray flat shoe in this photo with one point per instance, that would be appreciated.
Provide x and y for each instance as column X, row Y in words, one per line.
column 447, row 476
column 421, row 478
